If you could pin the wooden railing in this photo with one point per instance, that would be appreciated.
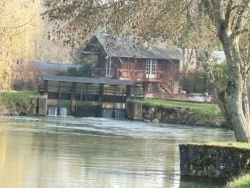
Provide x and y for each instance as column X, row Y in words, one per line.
column 102, row 72
column 126, row 74
column 138, row 74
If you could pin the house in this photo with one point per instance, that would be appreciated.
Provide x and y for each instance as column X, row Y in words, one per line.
column 154, row 64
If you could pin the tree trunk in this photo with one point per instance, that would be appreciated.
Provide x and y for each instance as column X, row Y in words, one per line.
column 236, row 106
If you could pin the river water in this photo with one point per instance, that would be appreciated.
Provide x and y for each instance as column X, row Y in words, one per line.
column 67, row 152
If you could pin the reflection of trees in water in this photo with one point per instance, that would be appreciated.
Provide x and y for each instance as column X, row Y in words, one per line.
column 92, row 152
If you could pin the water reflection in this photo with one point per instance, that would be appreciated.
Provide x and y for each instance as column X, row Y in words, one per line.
column 89, row 152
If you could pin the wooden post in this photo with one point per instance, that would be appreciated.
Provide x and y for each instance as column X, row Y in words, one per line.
column 145, row 89
column 128, row 91
column 100, row 100
column 73, row 99
column 45, row 87
column 128, row 94
column 60, row 92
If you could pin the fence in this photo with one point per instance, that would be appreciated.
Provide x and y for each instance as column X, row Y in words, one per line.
column 182, row 97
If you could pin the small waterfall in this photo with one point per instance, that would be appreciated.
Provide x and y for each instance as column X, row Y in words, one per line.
column 119, row 113
column 52, row 110
column 64, row 111
column 107, row 113
column 58, row 110
column 113, row 113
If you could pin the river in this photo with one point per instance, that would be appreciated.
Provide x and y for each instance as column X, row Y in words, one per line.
column 69, row 152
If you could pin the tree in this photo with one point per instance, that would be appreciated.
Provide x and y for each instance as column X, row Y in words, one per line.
column 19, row 25
column 83, row 63
column 192, row 23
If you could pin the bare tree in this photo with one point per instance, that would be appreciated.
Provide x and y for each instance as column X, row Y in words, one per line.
column 19, row 25
column 195, row 23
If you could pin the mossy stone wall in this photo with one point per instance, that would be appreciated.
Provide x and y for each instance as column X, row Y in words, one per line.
column 213, row 161
column 188, row 116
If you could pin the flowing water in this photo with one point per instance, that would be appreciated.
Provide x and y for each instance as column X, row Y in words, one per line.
column 67, row 152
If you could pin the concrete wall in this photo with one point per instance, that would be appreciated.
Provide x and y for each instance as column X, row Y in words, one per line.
column 213, row 161
column 134, row 110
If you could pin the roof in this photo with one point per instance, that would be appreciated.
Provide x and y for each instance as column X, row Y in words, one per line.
column 87, row 80
column 128, row 46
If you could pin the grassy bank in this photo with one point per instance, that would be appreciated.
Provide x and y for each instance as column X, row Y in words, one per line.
column 20, row 96
column 14, row 103
column 240, row 182
column 201, row 108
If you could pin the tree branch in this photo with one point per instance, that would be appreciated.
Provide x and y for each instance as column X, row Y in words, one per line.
column 241, row 16
column 229, row 9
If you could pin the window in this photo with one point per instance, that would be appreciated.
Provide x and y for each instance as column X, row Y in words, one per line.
column 151, row 68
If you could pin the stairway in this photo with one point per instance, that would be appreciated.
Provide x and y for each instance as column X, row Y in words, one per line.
column 166, row 88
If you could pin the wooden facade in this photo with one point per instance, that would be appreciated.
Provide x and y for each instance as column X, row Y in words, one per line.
column 156, row 65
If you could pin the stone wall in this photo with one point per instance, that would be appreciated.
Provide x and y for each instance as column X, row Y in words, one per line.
column 138, row 111
column 213, row 161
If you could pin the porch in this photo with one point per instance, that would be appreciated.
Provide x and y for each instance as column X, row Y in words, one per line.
column 166, row 85
column 128, row 74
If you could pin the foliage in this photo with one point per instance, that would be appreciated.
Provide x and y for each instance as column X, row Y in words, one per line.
column 82, row 70
column 194, row 82
column 218, row 75
column 83, row 63
column 19, row 28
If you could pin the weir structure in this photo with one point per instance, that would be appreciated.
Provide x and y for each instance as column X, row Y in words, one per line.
column 85, row 97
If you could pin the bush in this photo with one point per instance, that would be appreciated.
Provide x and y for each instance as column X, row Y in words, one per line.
column 194, row 82
column 83, row 70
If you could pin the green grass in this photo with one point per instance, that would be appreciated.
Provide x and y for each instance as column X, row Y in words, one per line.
column 20, row 97
column 240, row 182
column 201, row 108
column 240, row 145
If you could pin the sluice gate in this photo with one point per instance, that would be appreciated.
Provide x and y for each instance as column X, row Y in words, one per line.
column 85, row 97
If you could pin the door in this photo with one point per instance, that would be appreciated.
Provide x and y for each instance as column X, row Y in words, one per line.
column 151, row 68
column 109, row 71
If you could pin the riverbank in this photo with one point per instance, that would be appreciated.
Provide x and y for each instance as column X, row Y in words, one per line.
column 218, row 160
column 202, row 114
column 176, row 112
column 18, row 103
